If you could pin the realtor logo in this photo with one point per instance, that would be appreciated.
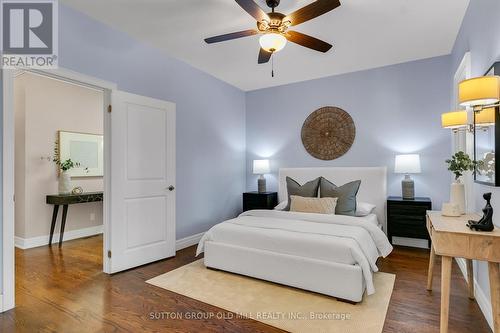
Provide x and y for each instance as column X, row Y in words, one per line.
column 29, row 33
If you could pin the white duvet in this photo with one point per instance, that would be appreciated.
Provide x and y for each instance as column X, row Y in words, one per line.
column 335, row 238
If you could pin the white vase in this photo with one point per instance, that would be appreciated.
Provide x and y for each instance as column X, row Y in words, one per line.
column 457, row 195
column 64, row 183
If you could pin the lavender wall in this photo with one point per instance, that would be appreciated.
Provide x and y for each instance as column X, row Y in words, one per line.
column 396, row 109
column 480, row 34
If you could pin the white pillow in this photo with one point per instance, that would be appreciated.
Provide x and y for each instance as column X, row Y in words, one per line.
column 364, row 208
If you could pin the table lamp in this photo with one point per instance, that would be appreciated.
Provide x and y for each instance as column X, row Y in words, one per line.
column 261, row 167
column 407, row 164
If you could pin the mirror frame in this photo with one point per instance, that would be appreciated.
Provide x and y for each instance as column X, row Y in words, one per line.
column 496, row 71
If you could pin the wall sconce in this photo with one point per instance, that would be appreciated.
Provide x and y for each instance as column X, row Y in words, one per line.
column 480, row 93
column 456, row 121
column 485, row 117
column 483, row 95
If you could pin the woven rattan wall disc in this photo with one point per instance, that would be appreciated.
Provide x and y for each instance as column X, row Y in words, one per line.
column 328, row 133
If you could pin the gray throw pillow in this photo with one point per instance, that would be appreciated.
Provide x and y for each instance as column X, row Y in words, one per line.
column 346, row 194
column 308, row 190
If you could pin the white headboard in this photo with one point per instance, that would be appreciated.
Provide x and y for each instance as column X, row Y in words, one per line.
column 373, row 187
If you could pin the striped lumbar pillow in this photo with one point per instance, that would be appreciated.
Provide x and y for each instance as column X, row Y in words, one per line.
column 313, row 205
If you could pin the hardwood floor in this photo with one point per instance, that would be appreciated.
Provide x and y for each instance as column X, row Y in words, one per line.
column 64, row 290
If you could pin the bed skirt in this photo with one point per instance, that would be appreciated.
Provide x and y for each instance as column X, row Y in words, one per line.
column 329, row 278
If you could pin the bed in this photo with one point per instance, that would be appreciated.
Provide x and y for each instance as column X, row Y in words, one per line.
column 333, row 255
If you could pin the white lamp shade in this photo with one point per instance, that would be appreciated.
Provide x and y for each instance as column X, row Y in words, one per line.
column 261, row 167
column 408, row 163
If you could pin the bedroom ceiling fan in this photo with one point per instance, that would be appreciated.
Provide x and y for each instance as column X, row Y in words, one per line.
column 274, row 26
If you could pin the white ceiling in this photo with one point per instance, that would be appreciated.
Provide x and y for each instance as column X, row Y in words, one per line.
column 364, row 33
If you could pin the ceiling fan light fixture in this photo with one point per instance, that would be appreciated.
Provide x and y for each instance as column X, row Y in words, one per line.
column 272, row 42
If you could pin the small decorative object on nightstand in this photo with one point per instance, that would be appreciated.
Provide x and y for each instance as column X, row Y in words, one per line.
column 407, row 164
column 256, row 200
column 406, row 218
column 261, row 167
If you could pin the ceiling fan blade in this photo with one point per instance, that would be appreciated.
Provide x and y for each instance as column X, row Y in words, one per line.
column 311, row 11
column 253, row 9
column 264, row 56
column 308, row 41
column 232, row 35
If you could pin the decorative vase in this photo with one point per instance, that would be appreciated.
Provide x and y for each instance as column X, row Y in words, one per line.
column 64, row 183
column 457, row 195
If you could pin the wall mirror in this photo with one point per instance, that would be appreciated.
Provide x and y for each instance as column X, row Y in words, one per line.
column 487, row 141
column 85, row 149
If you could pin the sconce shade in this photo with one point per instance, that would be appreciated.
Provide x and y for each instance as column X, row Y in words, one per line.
column 485, row 117
column 408, row 163
column 455, row 119
column 261, row 167
column 479, row 91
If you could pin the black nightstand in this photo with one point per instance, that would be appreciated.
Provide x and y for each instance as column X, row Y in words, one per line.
column 407, row 218
column 256, row 200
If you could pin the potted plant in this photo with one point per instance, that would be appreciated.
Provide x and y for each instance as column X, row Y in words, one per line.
column 459, row 163
column 64, row 186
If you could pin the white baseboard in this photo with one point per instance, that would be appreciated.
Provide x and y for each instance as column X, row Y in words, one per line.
column 481, row 298
column 1, row 303
column 188, row 241
column 412, row 242
column 28, row 243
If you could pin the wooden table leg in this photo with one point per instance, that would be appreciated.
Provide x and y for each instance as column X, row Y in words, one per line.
column 63, row 223
column 445, row 291
column 432, row 259
column 494, row 273
column 53, row 224
column 470, row 277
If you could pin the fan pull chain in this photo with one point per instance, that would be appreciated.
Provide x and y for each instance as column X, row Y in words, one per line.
column 272, row 65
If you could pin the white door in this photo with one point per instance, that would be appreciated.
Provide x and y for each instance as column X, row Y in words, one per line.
column 142, row 192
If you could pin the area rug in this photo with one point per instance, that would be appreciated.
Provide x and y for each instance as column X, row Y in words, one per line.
column 283, row 307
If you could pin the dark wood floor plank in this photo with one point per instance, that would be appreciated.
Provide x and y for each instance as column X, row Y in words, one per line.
column 64, row 290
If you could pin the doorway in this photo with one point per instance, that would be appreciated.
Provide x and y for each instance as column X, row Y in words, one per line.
column 58, row 161
column 48, row 116
column 58, row 180
column 138, row 177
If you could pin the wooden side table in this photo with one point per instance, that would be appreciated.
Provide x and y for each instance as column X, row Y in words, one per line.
column 452, row 238
column 65, row 200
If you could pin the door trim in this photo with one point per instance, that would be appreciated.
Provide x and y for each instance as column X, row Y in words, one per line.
column 8, row 145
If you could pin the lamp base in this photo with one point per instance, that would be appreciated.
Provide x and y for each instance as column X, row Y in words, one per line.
column 408, row 188
column 261, row 184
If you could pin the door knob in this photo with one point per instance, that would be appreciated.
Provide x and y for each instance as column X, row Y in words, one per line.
column 171, row 188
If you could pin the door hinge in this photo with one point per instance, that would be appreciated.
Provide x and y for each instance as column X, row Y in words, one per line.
column 110, row 108
column 109, row 254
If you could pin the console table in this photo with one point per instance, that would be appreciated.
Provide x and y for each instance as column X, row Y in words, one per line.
column 451, row 238
column 65, row 200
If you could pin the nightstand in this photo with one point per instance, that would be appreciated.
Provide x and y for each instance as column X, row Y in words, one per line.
column 407, row 218
column 256, row 200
